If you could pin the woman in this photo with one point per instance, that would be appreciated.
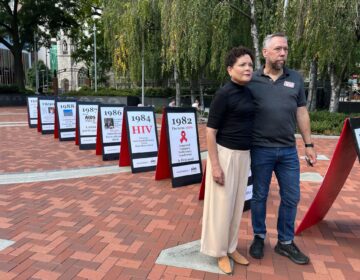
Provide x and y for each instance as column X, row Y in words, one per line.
column 228, row 136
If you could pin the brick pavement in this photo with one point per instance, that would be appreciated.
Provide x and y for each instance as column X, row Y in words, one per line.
column 115, row 226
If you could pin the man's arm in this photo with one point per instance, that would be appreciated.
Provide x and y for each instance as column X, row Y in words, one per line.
column 303, row 122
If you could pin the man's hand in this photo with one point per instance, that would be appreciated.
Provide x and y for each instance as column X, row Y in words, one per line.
column 310, row 153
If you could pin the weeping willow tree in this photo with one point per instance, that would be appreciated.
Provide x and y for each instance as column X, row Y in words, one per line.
column 230, row 28
column 133, row 35
column 188, row 39
column 324, row 39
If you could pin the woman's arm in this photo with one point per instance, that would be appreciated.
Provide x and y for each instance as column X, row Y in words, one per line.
column 217, row 172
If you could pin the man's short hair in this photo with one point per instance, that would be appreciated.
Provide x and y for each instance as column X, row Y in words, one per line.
column 270, row 36
column 235, row 53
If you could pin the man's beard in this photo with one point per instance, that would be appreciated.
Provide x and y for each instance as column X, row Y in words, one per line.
column 277, row 66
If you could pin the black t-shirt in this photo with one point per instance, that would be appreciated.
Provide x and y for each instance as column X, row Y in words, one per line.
column 232, row 113
column 276, row 104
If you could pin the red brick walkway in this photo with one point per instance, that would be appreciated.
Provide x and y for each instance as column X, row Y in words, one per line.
column 115, row 226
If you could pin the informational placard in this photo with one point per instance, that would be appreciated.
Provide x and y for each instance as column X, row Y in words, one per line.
column 141, row 139
column 179, row 136
column 87, row 117
column 66, row 119
column 32, row 109
column 355, row 128
column 109, row 131
column 47, row 114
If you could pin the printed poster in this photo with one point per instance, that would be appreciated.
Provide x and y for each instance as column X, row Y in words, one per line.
column 111, row 122
column 142, row 131
column 67, row 114
column 47, row 111
column 183, row 140
column 32, row 107
column 88, row 119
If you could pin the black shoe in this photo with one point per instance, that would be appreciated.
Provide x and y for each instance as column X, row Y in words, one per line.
column 292, row 252
column 257, row 248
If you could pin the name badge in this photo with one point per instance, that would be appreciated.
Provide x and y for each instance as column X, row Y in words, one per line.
column 289, row 84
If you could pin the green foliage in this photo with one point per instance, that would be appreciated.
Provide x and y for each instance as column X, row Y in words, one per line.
column 9, row 89
column 132, row 29
column 42, row 70
column 324, row 122
column 14, row 89
column 42, row 17
column 324, row 30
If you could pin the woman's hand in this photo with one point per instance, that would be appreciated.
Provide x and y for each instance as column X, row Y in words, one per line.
column 218, row 175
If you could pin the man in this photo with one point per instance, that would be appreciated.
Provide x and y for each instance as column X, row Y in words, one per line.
column 279, row 99
column 196, row 105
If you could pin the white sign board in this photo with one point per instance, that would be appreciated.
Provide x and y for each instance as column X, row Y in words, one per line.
column 47, row 111
column 32, row 106
column 67, row 114
column 183, row 137
column 47, row 114
column 111, row 124
column 142, row 131
column 88, row 114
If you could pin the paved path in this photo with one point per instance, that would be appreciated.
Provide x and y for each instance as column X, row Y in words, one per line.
column 114, row 226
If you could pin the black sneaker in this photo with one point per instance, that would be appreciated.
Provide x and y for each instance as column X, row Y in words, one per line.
column 257, row 248
column 292, row 252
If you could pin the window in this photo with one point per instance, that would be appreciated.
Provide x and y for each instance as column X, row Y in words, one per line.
column 64, row 47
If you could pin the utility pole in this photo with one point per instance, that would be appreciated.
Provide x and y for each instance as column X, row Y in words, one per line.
column 46, row 70
column 35, row 65
column 142, row 70
column 95, row 80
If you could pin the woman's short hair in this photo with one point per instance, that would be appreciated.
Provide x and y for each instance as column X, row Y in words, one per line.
column 235, row 53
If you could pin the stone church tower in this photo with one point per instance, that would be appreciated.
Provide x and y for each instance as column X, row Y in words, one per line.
column 70, row 75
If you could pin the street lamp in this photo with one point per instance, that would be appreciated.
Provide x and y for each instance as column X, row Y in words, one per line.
column 96, row 14
column 43, row 76
column 35, row 65
column 95, row 72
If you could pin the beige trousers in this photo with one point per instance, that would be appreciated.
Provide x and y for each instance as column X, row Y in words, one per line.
column 223, row 205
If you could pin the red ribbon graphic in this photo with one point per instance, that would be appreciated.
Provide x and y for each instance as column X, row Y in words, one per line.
column 183, row 136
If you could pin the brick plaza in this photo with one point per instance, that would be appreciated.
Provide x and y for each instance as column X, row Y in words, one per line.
column 115, row 226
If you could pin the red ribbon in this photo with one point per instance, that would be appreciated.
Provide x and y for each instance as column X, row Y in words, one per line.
column 183, row 136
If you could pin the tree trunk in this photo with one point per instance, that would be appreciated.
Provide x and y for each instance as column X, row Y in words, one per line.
column 18, row 67
column 177, row 87
column 311, row 98
column 192, row 90
column 255, row 34
column 201, row 89
column 335, row 89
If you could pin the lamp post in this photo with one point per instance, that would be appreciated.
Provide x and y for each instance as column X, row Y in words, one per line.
column 95, row 72
column 43, row 77
column 35, row 65
column 46, row 69
column 96, row 14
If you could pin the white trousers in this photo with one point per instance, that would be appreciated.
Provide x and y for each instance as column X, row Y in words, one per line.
column 223, row 205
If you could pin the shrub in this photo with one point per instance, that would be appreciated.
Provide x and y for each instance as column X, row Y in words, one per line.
column 9, row 89
column 324, row 122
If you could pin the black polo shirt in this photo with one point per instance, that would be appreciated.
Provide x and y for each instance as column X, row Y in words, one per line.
column 232, row 113
column 276, row 103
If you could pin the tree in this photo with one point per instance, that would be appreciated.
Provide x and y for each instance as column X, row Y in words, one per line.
column 132, row 32
column 22, row 19
column 44, row 74
column 83, row 38
column 325, row 34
